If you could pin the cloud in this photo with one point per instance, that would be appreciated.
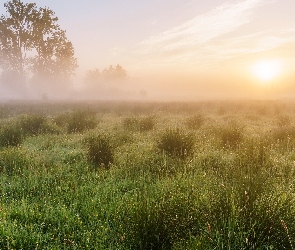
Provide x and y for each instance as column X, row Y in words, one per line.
column 201, row 29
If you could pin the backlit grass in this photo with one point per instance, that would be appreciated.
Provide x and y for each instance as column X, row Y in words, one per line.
column 224, row 183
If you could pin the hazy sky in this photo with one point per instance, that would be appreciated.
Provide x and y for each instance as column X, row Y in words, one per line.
column 189, row 41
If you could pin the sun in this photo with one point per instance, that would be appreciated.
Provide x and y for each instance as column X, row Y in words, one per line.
column 266, row 70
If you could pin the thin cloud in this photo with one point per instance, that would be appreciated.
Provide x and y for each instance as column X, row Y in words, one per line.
column 223, row 19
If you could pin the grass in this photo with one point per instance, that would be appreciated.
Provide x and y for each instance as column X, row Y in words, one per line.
column 226, row 183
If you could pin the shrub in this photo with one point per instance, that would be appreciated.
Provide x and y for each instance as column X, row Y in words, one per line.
column 131, row 123
column 62, row 119
column 10, row 136
column 80, row 121
column 283, row 121
column 176, row 143
column 99, row 150
column 13, row 161
column 146, row 123
column 283, row 133
column 195, row 122
column 32, row 124
column 139, row 124
column 231, row 135
column 159, row 222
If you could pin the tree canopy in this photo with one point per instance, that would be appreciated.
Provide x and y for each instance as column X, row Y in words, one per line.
column 95, row 77
column 33, row 47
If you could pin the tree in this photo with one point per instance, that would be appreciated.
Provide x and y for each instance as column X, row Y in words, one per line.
column 33, row 46
column 92, row 77
column 112, row 74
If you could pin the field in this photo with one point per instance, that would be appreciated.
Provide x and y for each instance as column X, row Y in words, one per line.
column 134, row 175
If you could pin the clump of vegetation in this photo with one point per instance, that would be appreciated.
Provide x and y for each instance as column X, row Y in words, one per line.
column 160, row 223
column 32, row 124
column 80, row 121
column 195, row 121
column 142, row 124
column 12, row 161
column 10, row 135
column 99, row 150
column 283, row 121
column 231, row 135
column 62, row 119
column 36, row 124
column 283, row 134
column 176, row 143
column 146, row 123
column 218, row 199
column 131, row 123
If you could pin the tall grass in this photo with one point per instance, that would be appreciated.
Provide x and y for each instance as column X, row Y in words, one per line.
column 220, row 185
column 176, row 143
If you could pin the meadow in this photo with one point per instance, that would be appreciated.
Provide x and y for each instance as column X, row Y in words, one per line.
column 147, row 175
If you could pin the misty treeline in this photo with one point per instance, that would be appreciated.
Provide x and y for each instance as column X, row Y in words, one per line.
column 111, row 74
column 35, row 53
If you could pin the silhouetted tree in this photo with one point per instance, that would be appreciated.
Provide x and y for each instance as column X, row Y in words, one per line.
column 32, row 44
column 93, row 77
column 117, row 73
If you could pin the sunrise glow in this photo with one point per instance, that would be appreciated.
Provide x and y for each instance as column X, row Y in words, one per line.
column 266, row 70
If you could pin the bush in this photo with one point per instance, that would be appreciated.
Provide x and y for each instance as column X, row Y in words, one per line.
column 80, row 121
column 159, row 222
column 283, row 121
column 283, row 133
column 139, row 124
column 146, row 123
column 176, row 143
column 195, row 122
column 32, row 124
column 62, row 120
column 99, row 150
column 231, row 135
column 131, row 123
column 10, row 136
column 13, row 161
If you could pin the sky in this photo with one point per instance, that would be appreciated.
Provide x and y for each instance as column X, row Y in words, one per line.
column 185, row 48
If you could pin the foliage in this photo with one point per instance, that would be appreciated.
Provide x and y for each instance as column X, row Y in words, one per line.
column 146, row 123
column 12, row 161
column 231, row 134
column 53, row 198
column 32, row 124
column 131, row 123
column 141, row 124
column 283, row 120
column 195, row 121
column 117, row 73
column 62, row 119
column 32, row 43
column 176, row 143
column 81, row 120
column 283, row 133
column 10, row 135
column 99, row 150
column 95, row 77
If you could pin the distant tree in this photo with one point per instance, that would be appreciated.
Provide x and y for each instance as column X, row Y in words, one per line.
column 118, row 73
column 93, row 77
column 32, row 44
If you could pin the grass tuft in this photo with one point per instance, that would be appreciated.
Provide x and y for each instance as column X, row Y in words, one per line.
column 176, row 143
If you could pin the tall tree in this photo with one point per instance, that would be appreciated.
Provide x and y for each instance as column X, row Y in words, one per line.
column 32, row 44
column 114, row 74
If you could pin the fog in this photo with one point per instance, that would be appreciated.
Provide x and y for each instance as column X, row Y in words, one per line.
column 193, row 50
column 154, row 88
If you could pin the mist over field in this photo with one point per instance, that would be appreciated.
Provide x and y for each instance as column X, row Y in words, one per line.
column 189, row 51
column 149, row 125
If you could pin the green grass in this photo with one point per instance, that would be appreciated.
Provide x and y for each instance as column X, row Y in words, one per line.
column 224, row 182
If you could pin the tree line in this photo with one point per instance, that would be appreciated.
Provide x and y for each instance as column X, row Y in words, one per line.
column 35, row 51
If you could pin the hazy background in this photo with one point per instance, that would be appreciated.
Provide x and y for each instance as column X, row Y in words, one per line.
column 182, row 49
